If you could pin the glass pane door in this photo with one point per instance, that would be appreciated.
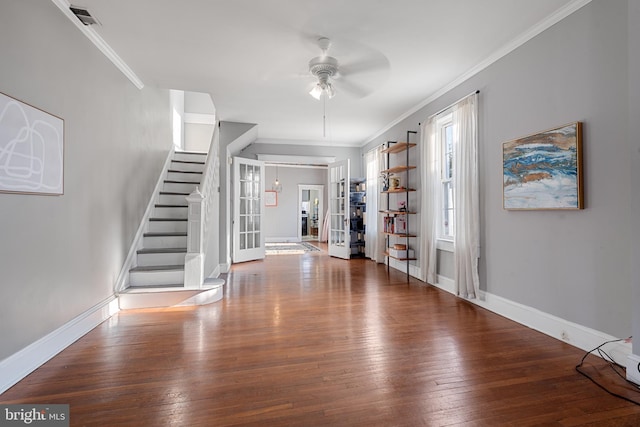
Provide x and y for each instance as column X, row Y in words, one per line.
column 339, row 242
column 248, row 239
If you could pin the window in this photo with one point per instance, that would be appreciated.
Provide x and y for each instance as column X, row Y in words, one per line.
column 446, row 220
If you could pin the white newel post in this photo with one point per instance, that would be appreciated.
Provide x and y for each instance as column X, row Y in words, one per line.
column 194, row 260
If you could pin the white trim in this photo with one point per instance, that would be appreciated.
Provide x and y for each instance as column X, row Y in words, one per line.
column 200, row 118
column 17, row 366
column 296, row 160
column 532, row 32
column 572, row 333
column 293, row 239
column 444, row 245
column 99, row 42
column 446, row 284
column 308, row 142
column 129, row 263
column 633, row 368
column 414, row 270
column 225, row 268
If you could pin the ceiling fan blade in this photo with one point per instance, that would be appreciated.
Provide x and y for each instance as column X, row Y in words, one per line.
column 357, row 90
column 377, row 63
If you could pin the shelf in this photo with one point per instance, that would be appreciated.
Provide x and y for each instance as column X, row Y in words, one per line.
column 399, row 147
column 400, row 259
column 398, row 190
column 397, row 169
column 398, row 212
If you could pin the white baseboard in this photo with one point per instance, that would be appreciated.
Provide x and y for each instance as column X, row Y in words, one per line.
column 414, row 270
column 446, row 284
column 281, row 239
column 572, row 333
column 225, row 268
column 129, row 262
column 17, row 366
column 633, row 368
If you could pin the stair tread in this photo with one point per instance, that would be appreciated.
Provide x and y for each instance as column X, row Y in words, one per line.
column 189, row 162
column 157, row 268
column 171, row 206
column 200, row 153
column 173, row 193
column 144, row 289
column 167, row 219
column 180, row 182
column 161, row 250
column 180, row 171
column 168, row 233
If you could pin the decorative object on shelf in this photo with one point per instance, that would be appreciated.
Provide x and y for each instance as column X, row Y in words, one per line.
column 32, row 148
column 277, row 185
column 385, row 181
column 544, row 170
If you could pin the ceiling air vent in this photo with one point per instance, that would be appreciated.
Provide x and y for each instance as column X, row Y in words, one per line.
column 83, row 15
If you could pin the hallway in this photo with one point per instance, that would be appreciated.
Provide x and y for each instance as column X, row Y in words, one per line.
column 311, row 340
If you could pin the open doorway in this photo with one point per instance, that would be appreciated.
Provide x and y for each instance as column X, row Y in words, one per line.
column 310, row 212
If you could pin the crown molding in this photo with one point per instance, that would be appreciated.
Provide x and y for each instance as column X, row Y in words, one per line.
column 99, row 42
column 541, row 26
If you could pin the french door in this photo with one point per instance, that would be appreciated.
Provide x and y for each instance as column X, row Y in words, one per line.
column 248, row 209
column 339, row 239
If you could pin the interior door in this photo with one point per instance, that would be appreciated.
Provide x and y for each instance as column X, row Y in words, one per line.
column 339, row 239
column 248, row 209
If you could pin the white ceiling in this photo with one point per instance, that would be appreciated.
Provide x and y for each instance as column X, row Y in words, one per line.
column 252, row 55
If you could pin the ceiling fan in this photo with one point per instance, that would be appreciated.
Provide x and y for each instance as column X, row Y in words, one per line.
column 323, row 67
column 364, row 71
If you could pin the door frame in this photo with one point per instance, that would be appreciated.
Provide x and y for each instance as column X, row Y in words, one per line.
column 320, row 189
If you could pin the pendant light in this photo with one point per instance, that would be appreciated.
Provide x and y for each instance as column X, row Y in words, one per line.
column 277, row 186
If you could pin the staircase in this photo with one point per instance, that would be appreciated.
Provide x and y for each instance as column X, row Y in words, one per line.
column 158, row 277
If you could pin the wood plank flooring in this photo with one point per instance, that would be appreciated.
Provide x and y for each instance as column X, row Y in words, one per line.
column 315, row 341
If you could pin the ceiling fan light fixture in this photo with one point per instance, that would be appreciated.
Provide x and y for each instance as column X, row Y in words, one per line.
column 316, row 92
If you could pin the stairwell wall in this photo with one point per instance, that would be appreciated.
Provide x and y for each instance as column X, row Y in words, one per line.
column 61, row 255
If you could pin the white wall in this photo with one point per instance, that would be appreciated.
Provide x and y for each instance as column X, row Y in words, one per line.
column 60, row 256
column 574, row 265
column 282, row 221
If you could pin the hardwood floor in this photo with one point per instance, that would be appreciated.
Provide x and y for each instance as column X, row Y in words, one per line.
column 311, row 340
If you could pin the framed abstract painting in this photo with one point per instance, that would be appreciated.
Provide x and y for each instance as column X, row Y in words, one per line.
column 31, row 149
column 544, row 170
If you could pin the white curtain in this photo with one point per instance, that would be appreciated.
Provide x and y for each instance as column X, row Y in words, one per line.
column 430, row 201
column 466, row 196
column 374, row 248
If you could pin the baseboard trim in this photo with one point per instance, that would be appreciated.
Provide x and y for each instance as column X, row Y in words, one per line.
column 129, row 263
column 633, row 368
column 574, row 334
column 17, row 366
column 446, row 284
column 281, row 239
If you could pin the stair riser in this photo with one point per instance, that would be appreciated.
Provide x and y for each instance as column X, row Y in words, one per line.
column 155, row 278
column 163, row 212
column 165, row 242
column 178, row 187
column 192, row 167
column 190, row 157
column 174, row 258
column 167, row 226
column 172, row 199
column 181, row 176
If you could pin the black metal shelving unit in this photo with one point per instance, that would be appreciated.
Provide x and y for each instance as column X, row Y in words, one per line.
column 396, row 223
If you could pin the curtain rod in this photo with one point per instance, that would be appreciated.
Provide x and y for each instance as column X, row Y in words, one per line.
column 452, row 104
